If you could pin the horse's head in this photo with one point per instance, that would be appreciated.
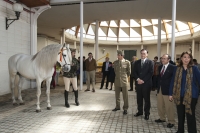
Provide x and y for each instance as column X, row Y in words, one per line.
column 65, row 58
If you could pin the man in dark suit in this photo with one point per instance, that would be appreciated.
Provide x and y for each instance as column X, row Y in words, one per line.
column 142, row 72
column 105, row 72
column 131, row 76
column 165, row 107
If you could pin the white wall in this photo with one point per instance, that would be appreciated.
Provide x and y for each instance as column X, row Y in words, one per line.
column 12, row 41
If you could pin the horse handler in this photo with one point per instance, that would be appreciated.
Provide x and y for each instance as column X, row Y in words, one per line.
column 71, row 76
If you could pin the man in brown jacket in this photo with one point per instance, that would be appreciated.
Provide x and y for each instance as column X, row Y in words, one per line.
column 122, row 68
column 90, row 65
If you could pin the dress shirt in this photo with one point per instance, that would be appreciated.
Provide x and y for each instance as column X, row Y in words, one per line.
column 165, row 68
column 107, row 63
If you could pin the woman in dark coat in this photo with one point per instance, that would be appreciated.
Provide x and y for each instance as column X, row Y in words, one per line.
column 111, row 77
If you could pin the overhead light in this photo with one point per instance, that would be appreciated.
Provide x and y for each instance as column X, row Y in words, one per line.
column 18, row 8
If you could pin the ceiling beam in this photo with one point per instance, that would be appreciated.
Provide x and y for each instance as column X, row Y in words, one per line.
column 191, row 28
column 177, row 27
column 77, row 29
column 140, row 22
column 166, row 31
column 152, row 27
column 87, row 28
column 118, row 30
column 108, row 29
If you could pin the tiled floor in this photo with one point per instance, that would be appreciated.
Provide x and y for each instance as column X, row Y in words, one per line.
column 93, row 115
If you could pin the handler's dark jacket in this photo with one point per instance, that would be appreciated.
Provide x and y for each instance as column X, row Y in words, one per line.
column 72, row 73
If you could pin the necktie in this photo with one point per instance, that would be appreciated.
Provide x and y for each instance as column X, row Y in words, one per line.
column 162, row 72
column 142, row 64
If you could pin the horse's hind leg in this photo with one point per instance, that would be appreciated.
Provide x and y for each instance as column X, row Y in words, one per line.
column 48, row 82
column 38, row 95
column 21, row 81
column 12, row 82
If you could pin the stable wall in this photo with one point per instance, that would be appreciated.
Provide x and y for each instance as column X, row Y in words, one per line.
column 12, row 41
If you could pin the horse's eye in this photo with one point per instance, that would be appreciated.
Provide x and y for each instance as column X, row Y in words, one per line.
column 64, row 55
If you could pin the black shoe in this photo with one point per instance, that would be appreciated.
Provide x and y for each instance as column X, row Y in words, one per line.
column 110, row 89
column 101, row 87
column 137, row 114
column 84, row 82
column 106, row 87
column 146, row 117
column 115, row 109
column 169, row 125
column 125, row 112
column 178, row 132
column 87, row 90
column 159, row 121
column 130, row 90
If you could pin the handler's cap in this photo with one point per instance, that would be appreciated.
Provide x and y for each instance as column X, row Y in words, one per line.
column 120, row 52
column 73, row 50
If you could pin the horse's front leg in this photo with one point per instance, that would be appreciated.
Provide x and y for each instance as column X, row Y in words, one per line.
column 38, row 95
column 48, row 84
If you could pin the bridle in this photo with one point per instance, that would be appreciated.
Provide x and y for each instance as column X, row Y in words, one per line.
column 62, row 56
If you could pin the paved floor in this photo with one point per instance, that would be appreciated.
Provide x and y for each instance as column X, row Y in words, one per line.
column 93, row 115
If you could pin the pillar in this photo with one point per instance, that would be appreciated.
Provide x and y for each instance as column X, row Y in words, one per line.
column 81, row 45
column 97, row 40
column 173, row 28
column 34, row 16
column 75, row 44
column 193, row 47
column 142, row 46
column 167, row 48
column 63, row 35
column 159, row 39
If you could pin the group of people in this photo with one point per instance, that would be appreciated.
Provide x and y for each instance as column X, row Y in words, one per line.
column 175, row 84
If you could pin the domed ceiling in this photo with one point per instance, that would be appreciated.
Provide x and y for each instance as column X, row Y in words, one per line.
column 134, row 30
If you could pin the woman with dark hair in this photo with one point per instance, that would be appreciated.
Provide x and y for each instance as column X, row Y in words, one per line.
column 184, row 92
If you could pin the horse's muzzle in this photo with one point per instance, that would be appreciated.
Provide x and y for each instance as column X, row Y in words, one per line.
column 66, row 68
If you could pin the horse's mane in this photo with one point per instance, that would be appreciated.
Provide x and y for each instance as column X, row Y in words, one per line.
column 47, row 56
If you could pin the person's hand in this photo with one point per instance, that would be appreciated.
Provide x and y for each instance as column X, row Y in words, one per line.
column 171, row 99
column 140, row 81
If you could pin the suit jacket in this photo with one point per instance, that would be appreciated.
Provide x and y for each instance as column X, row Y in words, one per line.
column 132, row 66
column 165, row 80
column 104, row 66
column 145, row 73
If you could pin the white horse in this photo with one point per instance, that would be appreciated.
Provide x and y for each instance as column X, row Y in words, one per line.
column 39, row 67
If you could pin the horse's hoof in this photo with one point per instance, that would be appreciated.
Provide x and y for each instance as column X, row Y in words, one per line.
column 21, row 103
column 49, row 108
column 38, row 110
column 15, row 104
